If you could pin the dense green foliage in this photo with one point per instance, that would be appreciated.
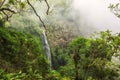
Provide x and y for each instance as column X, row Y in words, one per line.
column 92, row 57
column 21, row 57
column 21, row 52
column 89, row 58
column 80, row 58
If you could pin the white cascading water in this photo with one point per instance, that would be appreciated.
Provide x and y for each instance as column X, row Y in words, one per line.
column 46, row 47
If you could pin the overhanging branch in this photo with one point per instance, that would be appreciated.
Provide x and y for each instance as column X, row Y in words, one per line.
column 36, row 13
column 5, row 15
column 48, row 7
column 2, row 3
column 7, row 9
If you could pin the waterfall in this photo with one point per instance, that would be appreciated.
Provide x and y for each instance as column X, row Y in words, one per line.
column 46, row 47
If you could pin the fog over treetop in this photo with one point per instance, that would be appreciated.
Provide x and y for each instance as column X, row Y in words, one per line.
column 97, row 14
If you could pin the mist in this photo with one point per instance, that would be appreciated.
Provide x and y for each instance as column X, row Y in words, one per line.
column 96, row 14
column 84, row 17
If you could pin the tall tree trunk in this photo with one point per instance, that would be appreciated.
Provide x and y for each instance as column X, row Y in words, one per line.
column 76, row 58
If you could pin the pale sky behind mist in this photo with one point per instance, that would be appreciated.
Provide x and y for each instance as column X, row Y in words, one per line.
column 97, row 13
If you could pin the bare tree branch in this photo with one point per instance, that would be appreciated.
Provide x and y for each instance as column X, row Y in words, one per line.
column 2, row 3
column 7, row 9
column 5, row 15
column 36, row 13
column 47, row 12
column 47, row 6
column 13, row 12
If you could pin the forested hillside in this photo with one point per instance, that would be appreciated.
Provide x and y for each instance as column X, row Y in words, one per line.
column 39, row 41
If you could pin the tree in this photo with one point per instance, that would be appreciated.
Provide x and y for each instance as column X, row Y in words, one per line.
column 92, row 57
column 17, row 53
column 77, row 48
column 115, row 8
column 11, row 7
